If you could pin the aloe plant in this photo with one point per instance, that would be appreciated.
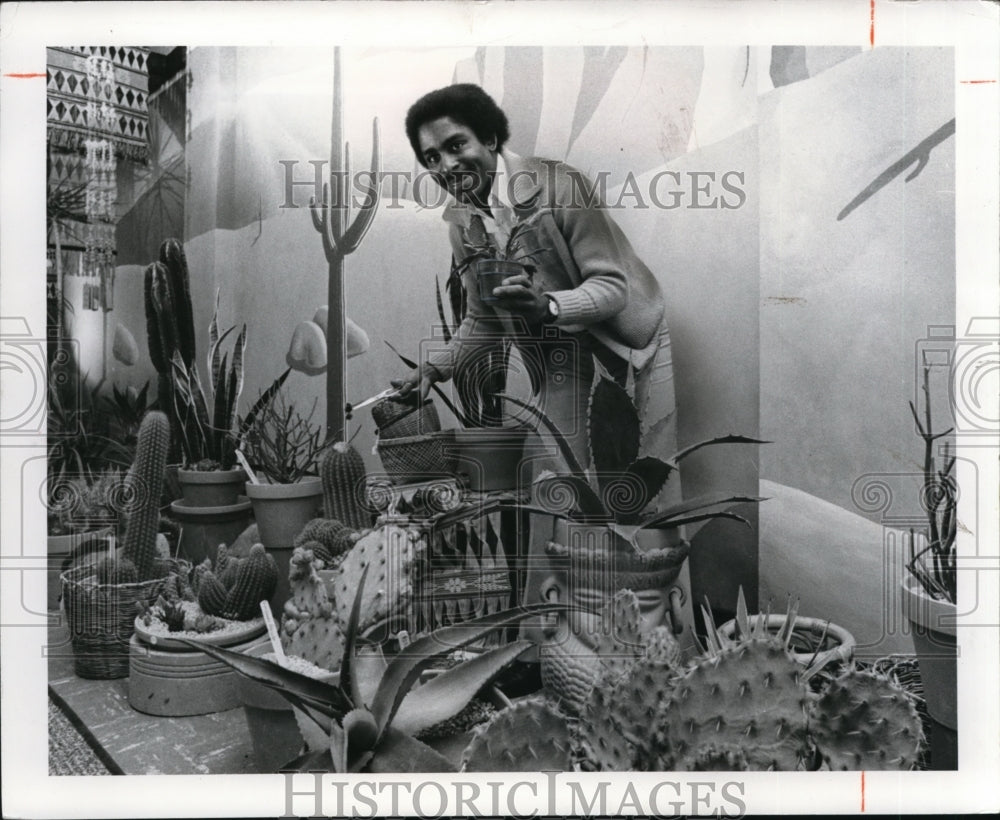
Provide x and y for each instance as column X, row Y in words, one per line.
column 374, row 711
column 625, row 484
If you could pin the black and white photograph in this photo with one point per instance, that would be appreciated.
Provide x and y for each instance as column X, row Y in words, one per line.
column 478, row 409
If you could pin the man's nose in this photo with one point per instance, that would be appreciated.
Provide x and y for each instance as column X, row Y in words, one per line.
column 449, row 164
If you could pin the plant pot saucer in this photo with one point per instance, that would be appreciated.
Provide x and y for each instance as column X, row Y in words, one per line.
column 234, row 632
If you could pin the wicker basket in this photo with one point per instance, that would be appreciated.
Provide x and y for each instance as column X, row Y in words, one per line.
column 400, row 419
column 414, row 459
column 101, row 617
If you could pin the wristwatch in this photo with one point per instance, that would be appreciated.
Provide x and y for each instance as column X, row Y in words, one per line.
column 552, row 312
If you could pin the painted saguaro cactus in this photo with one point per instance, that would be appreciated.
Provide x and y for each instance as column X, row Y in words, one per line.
column 342, row 230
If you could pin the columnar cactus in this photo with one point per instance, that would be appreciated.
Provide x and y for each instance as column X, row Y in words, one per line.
column 116, row 571
column 145, row 484
column 342, row 472
column 527, row 736
column 250, row 581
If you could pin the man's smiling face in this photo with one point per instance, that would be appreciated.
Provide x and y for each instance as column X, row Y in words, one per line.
column 461, row 164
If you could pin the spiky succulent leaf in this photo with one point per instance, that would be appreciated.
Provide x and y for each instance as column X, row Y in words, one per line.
column 398, row 753
column 668, row 518
column 444, row 696
column 324, row 697
column 563, row 443
column 584, row 499
column 405, row 669
column 614, row 430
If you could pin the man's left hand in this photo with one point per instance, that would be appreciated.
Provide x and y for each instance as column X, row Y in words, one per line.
column 519, row 294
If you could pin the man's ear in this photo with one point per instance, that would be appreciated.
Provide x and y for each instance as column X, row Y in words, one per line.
column 491, row 143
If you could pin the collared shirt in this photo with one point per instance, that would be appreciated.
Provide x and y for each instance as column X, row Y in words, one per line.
column 499, row 222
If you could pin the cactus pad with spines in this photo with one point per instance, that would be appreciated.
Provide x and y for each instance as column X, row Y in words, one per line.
column 146, row 484
column 390, row 552
column 529, row 735
column 310, row 628
column 600, row 738
column 865, row 721
column 342, row 473
column 749, row 696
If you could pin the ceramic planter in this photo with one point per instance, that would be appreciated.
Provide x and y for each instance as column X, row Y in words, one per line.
column 171, row 680
column 490, row 457
column 211, row 488
column 204, row 528
column 933, row 630
column 281, row 511
column 274, row 730
column 808, row 636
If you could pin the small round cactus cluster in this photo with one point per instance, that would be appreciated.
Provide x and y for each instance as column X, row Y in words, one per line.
column 236, row 586
column 328, row 538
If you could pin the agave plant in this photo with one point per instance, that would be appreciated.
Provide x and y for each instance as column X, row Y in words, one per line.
column 375, row 710
column 624, row 485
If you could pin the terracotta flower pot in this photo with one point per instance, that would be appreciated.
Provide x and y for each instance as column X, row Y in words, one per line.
column 211, row 488
column 281, row 511
column 204, row 528
column 933, row 632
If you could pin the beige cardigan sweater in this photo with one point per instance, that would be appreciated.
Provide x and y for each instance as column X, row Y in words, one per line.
column 582, row 259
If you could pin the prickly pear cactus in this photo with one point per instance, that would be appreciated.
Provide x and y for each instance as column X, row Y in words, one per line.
column 601, row 741
column 714, row 758
column 390, row 551
column 342, row 472
column 310, row 627
column 750, row 696
column 864, row 720
column 527, row 736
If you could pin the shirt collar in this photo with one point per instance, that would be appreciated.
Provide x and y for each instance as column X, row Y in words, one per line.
column 460, row 213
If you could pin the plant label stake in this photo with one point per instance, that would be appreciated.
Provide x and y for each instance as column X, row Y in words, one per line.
column 242, row 459
column 272, row 632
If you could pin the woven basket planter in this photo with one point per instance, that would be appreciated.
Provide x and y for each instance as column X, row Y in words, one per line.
column 101, row 617
column 413, row 459
column 397, row 419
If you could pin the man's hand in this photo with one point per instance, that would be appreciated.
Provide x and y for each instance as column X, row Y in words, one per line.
column 519, row 294
column 420, row 379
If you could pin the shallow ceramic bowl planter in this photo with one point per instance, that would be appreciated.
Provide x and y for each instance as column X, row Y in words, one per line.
column 490, row 457
column 834, row 643
column 204, row 528
column 281, row 511
column 168, row 679
column 932, row 623
column 211, row 488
